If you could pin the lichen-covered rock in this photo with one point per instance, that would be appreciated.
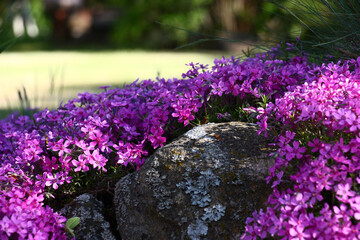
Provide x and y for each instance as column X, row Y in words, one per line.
column 201, row 186
column 92, row 223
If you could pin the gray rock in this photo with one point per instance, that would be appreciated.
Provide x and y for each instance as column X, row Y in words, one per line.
column 201, row 186
column 92, row 223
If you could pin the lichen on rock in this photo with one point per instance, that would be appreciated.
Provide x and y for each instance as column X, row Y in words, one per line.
column 214, row 213
column 92, row 223
column 199, row 190
column 197, row 187
column 197, row 229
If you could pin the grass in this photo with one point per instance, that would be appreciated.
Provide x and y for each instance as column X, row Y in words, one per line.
column 50, row 77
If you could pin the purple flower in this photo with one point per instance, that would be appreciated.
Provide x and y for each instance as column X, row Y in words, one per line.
column 80, row 164
column 61, row 147
column 54, row 180
column 343, row 191
column 99, row 139
column 105, row 87
column 184, row 116
column 295, row 151
column 8, row 226
column 312, row 112
column 96, row 159
column 218, row 88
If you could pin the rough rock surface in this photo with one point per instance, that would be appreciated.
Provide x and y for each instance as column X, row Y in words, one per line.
column 201, row 186
column 92, row 223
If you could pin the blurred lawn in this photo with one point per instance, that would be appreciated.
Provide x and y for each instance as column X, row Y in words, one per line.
column 50, row 77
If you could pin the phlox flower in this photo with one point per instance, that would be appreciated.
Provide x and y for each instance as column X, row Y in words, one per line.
column 315, row 193
column 355, row 206
column 88, row 128
column 297, row 233
column 99, row 139
column 184, row 116
column 81, row 164
column 8, row 226
column 42, row 151
column 54, row 180
column 96, row 159
column 341, row 117
column 156, row 137
column 122, row 158
column 316, row 144
column 65, row 163
column 354, row 122
column 300, row 201
column 343, row 191
column 49, row 164
column 84, row 146
column 342, row 212
column 295, row 151
column 97, row 121
column 15, row 196
column 218, row 88
column 61, row 147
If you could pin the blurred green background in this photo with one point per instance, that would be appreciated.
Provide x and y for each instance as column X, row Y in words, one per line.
column 63, row 47
column 141, row 24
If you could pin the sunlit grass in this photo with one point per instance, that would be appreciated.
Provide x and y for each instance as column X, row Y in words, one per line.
column 50, row 77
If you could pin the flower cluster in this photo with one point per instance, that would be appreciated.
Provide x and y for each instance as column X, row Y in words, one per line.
column 319, row 147
column 23, row 215
column 121, row 126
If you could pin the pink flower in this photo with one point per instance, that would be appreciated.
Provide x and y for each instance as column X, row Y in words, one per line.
column 341, row 116
column 298, row 233
column 54, row 180
column 316, row 144
column 88, row 128
column 184, row 116
column 156, row 138
column 80, row 164
column 99, row 139
column 354, row 122
column 295, row 151
column 96, row 159
column 7, row 226
column 343, row 191
column 61, row 147
column 84, row 146
column 218, row 88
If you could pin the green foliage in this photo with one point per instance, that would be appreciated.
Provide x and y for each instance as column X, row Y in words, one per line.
column 37, row 7
column 6, row 38
column 71, row 223
column 138, row 25
column 220, row 110
column 4, row 44
column 272, row 23
column 329, row 27
column 167, row 24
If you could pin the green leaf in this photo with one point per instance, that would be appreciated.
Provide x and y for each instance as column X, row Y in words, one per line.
column 71, row 223
column 71, row 232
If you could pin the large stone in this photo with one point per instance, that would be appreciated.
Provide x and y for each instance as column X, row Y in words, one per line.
column 201, row 186
column 92, row 223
